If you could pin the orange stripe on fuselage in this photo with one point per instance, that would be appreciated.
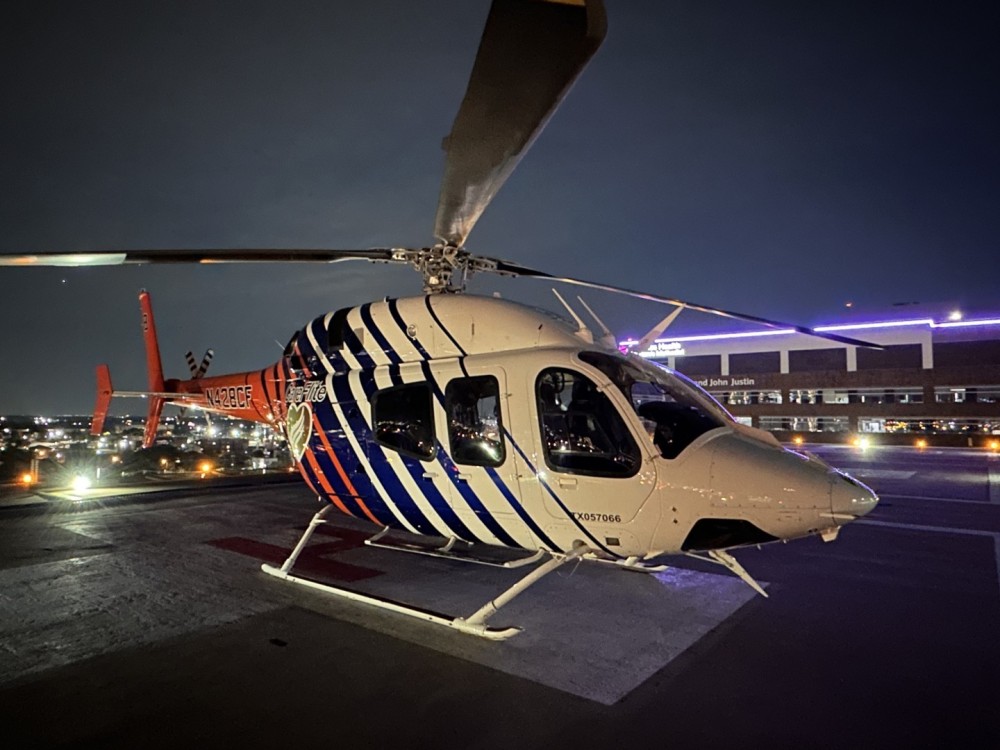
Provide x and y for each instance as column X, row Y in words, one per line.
column 269, row 378
column 305, row 368
column 279, row 396
column 306, row 479
column 326, row 485
column 259, row 400
column 341, row 472
column 333, row 457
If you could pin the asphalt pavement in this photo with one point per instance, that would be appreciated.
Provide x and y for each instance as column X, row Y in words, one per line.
column 149, row 624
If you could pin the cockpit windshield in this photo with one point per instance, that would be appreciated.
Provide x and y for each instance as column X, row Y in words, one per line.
column 673, row 409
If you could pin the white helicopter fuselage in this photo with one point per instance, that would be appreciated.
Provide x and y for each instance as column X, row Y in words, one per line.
column 488, row 421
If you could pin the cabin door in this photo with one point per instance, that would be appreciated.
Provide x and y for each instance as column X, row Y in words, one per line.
column 472, row 421
column 592, row 478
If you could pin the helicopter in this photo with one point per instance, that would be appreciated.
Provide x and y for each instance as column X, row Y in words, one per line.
column 455, row 423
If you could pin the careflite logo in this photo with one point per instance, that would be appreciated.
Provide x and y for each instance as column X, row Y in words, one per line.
column 313, row 391
column 298, row 428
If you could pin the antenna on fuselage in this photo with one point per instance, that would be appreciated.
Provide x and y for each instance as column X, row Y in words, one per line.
column 607, row 337
column 656, row 331
column 582, row 331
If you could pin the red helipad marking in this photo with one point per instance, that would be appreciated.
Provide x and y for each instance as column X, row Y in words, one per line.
column 314, row 559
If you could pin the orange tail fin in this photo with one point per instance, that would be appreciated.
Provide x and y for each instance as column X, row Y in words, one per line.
column 154, row 368
column 104, row 391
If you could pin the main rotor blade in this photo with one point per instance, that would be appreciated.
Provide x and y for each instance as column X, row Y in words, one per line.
column 529, row 56
column 134, row 257
column 516, row 269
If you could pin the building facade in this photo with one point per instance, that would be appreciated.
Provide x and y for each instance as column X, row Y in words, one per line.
column 935, row 381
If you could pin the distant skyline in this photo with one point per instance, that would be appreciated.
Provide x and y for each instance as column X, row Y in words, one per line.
column 780, row 159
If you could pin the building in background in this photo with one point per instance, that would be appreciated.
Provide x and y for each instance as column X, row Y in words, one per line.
column 937, row 379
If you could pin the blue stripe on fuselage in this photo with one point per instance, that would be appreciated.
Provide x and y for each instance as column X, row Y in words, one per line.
column 416, row 470
column 358, row 426
column 558, row 502
column 451, row 470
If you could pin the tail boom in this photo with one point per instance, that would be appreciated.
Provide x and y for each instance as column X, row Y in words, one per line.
column 256, row 396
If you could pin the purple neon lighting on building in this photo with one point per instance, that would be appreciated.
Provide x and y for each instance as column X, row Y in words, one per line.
column 882, row 324
column 929, row 322
column 964, row 323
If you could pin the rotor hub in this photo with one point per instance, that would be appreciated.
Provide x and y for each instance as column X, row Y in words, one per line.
column 444, row 268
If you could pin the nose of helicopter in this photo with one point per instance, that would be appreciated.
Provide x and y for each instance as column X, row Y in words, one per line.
column 850, row 499
column 757, row 475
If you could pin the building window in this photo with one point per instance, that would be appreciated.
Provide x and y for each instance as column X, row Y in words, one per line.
column 941, row 426
column 875, row 396
column 582, row 432
column 805, row 424
column 403, row 420
column 474, row 428
column 744, row 398
column 979, row 394
column 805, row 397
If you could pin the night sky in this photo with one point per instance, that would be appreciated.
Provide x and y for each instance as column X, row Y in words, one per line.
column 775, row 158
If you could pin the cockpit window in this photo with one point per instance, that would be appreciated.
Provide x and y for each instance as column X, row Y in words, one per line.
column 673, row 409
column 582, row 431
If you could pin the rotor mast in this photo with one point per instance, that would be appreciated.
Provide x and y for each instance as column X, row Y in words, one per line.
column 445, row 268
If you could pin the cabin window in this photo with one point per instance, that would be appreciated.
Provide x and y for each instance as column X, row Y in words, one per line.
column 582, row 432
column 474, row 428
column 674, row 411
column 403, row 420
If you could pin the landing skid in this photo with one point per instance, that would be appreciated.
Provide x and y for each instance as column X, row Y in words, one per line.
column 630, row 563
column 448, row 551
column 474, row 624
